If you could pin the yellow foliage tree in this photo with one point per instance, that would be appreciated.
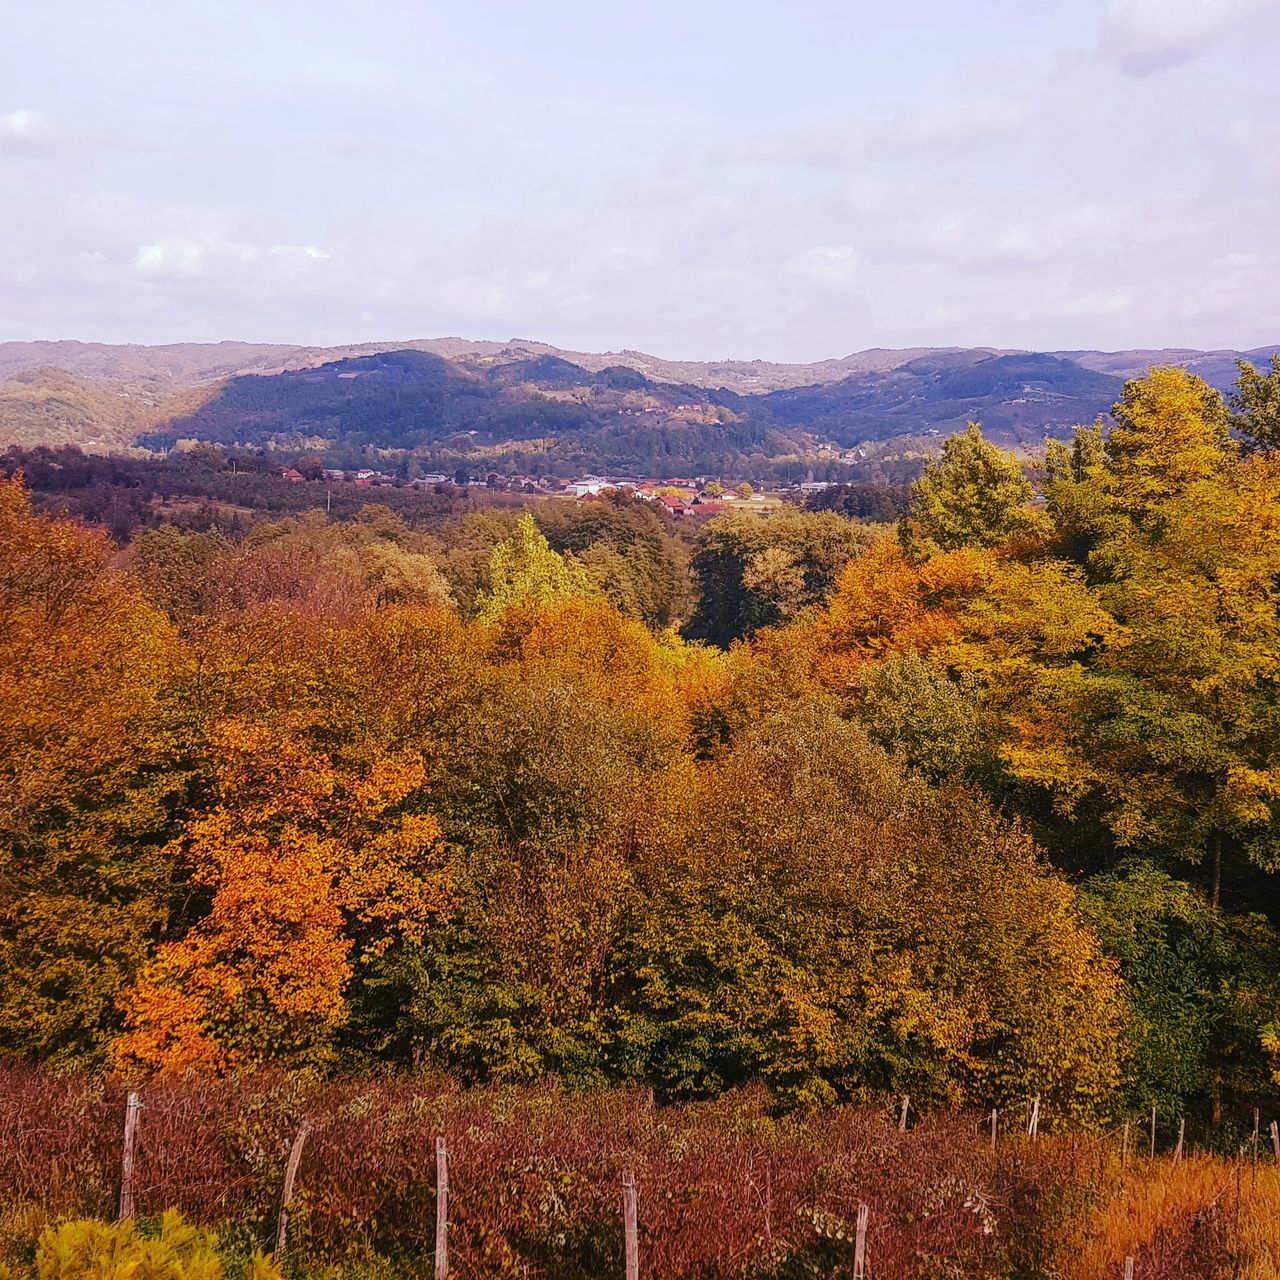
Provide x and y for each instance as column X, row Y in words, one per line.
column 88, row 775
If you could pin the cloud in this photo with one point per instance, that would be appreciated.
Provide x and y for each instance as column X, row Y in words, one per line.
column 25, row 133
column 186, row 258
column 1142, row 37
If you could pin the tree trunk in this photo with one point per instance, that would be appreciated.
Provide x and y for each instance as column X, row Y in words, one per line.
column 1217, row 867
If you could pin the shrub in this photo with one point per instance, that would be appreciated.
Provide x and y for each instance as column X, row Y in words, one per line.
column 89, row 1250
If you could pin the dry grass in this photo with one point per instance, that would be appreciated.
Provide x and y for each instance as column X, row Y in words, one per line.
column 1257, row 1239
column 1203, row 1219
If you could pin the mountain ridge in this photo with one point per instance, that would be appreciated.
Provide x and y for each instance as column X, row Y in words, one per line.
column 525, row 405
column 191, row 363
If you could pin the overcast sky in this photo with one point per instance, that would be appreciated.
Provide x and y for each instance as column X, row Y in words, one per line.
column 696, row 178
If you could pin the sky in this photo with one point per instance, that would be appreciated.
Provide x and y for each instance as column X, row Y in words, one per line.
column 695, row 178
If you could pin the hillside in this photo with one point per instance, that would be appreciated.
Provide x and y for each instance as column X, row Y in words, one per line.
column 194, row 363
column 524, row 405
column 53, row 407
column 615, row 419
column 1018, row 398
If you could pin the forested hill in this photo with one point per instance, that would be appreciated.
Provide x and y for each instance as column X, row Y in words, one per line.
column 525, row 406
column 1019, row 397
column 416, row 400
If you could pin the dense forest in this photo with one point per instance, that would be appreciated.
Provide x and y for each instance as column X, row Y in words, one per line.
column 341, row 791
column 971, row 804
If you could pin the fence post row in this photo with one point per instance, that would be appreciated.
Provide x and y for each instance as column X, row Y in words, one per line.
column 442, row 1210
column 286, row 1193
column 133, row 1104
column 128, row 1161
column 629, row 1225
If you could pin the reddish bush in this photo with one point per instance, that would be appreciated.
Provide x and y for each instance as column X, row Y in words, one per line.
column 726, row 1190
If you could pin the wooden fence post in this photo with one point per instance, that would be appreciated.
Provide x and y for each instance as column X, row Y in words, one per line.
column 442, row 1210
column 629, row 1225
column 1128, row 1269
column 1033, row 1123
column 993, row 1130
column 1275, row 1140
column 860, row 1244
column 1124, row 1149
column 286, row 1193
column 902, row 1119
column 132, row 1105
column 1182, row 1133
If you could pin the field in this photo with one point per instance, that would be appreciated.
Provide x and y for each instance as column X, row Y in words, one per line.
column 725, row 1188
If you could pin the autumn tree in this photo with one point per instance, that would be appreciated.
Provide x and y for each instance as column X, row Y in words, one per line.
column 1171, row 720
column 524, row 570
column 755, row 573
column 1170, row 434
column 93, row 768
column 312, row 870
column 974, row 494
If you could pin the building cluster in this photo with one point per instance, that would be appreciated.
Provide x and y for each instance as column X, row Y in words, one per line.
column 695, row 497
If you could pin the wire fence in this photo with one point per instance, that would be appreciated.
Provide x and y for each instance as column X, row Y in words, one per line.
column 542, row 1183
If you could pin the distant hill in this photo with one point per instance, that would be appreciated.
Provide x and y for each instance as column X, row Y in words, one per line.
column 544, row 408
column 194, row 363
column 53, row 407
column 527, row 405
column 1019, row 398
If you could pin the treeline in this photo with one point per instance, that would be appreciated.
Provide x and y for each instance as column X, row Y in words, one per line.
column 343, row 794
column 202, row 490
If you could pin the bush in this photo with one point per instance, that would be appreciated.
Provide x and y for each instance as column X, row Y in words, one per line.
column 88, row 1250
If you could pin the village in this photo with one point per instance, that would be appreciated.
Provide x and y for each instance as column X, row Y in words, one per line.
column 687, row 497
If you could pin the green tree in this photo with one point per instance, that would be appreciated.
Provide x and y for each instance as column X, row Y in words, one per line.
column 754, row 573
column 915, row 707
column 627, row 550
column 524, row 571
column 1201, row 987
column 843, row 930
column 1255, row 405
column 973, row 495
